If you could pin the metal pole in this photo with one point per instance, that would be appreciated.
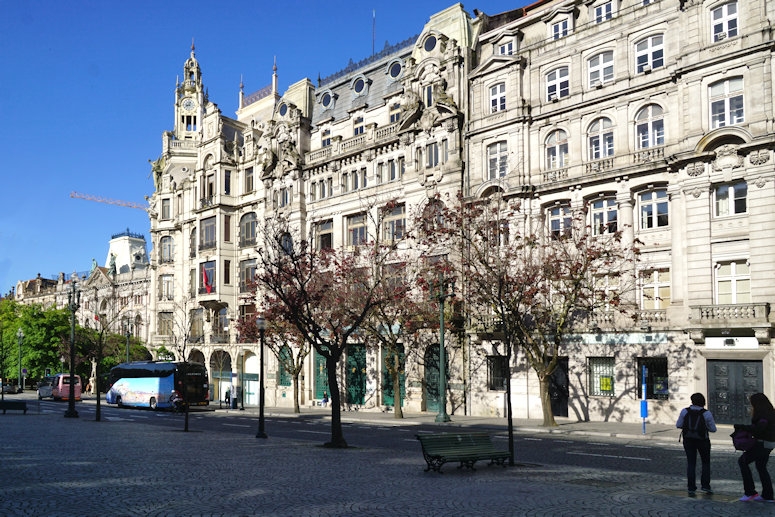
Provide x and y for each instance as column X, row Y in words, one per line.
column 442, row 416
column 261, row 432
column 73, row 302
column 128, row 334
column 20, row 335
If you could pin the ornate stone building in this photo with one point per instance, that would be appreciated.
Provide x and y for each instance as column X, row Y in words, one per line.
column 651, row 118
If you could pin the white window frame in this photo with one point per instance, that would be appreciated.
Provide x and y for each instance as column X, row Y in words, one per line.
column 497, row 160
column 730, row 199
column 738, row 278
column 497, row 97
column 603, row 12
column 601, row 68
column 724, row 21
column 604, row 215
column 727, row 102
column 601, row 139
column 654, row 209
column 560, row 28
column 506, row 48
column 650, row 53
column 556, row 145
column 655, row 289
column 394, row 224
column 558, row 83
column 560, row 219
column 432, row 155
column 649, row 127
column 356, row 230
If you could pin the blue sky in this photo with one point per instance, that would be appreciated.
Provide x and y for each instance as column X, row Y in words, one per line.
column 86, row 90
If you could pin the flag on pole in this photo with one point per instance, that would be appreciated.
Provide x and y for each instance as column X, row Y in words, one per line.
column 206, row 281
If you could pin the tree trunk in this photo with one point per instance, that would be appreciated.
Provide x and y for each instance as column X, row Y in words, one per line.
column 296, row 408
column 398, row 411
column 509, row 413
column 337, row 436
column 546, row 402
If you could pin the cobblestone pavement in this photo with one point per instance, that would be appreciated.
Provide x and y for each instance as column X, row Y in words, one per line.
column 54, row 466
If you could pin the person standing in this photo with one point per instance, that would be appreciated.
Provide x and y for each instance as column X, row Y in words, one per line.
column 696, row 422
column 763, row 428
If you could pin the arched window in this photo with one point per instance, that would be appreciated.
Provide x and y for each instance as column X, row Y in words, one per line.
column 557, row 150
column 601, row 139
column 247, row 226
column 601, row 68
column 649, row 53
column 649, row 127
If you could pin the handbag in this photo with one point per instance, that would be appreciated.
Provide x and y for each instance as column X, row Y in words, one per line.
column 743, row 440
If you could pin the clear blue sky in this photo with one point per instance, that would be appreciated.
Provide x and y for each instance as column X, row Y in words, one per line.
column 86, row 90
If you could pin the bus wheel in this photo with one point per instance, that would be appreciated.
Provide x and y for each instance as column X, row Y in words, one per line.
column 152, row 403
column 118, row 401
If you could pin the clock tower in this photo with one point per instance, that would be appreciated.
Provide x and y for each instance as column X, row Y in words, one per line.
column 189, row 100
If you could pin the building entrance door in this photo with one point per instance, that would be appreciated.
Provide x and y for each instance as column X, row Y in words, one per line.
column 730, row 386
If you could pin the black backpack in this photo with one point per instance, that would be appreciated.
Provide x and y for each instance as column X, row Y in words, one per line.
column 694, row 425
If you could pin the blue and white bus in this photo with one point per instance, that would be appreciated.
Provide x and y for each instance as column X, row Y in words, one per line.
column 154, row 384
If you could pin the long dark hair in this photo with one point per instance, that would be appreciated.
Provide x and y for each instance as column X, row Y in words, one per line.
column 762, row 407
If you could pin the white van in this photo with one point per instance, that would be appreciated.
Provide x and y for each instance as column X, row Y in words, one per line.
column 46, row 387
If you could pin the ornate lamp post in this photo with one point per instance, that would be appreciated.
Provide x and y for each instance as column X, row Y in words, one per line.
column 20, row 335
column 443, row 295
column 73, row 303
column 261, row 325
column 128, row 330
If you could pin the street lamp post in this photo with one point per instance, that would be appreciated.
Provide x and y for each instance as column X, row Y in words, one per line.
column 128, row 335
column 20, row 335
column 261, row 325
column 73, row 303
column 443, row 416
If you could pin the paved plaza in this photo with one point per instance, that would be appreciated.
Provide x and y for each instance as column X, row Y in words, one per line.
column 55, row 466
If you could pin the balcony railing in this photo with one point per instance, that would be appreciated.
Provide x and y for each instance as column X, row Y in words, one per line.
column 736, row 314
column 648, row 155
column 203, row 290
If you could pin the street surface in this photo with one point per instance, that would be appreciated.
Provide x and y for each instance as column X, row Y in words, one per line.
column 136, row 462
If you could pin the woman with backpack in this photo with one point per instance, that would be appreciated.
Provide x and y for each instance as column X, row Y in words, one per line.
column 695, row 422
column 763, row 428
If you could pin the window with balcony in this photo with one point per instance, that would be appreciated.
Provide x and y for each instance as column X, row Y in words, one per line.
column 733, row 282
column 207, row 233
column 557, row 150
column 498, row 97
column 324, row 234
column 394, row 224
column 649, row 127
column 731, row 199
column 497, row 160
column 601, row 376
column 247, row 274
column 560, row 220
column 497, row 372
column 356, row 230
column 606, row 292
column 166, row 287
column 207, row 278
column 167, row 247
column 649, row 54
column 726, row 103
column 655, row 289
column 653, row 207
column 601, row 69
column 557, row 84
column 603, row 215
column 723, row 20
column 601, row 139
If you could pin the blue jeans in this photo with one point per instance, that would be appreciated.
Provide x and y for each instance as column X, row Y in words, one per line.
column 759, row 456
column 692, row 447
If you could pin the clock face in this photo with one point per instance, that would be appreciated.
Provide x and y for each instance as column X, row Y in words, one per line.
column 188, row 104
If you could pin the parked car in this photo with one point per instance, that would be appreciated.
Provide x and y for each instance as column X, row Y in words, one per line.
column 45, row 387
column 10, row 388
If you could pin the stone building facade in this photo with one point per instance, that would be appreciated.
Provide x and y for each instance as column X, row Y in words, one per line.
column 647, row 117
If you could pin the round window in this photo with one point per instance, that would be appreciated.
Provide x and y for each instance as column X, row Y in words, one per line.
column 326, row 100
column 359, row 85
column 430, row 43
column 283, row 109
column 395, row 70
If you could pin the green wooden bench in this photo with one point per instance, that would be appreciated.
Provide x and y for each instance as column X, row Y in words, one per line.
column 466, row 448
column 20, row 405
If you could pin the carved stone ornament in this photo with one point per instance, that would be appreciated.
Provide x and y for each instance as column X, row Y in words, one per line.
column 759, row 157
column 760, row 182
column 696, row 193
column 695, row 169
column 727, row 157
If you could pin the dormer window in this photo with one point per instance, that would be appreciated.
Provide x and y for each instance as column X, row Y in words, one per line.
column 559, row 29
column 506, row 48
column 360, row 86
column 327, row 100
column 395, row 69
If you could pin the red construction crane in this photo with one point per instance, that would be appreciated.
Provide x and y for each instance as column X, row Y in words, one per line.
column 128, row 204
